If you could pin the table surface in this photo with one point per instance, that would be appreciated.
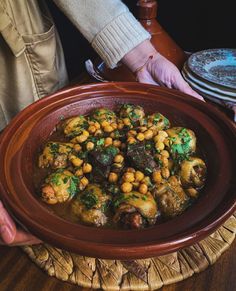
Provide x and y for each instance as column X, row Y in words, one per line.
column 18, row 272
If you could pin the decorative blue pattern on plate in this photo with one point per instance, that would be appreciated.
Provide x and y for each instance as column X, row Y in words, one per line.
column 215, row 65
column 205, row 92
column 208, row 85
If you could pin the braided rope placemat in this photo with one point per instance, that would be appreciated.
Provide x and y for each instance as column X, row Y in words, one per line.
column 144, row 274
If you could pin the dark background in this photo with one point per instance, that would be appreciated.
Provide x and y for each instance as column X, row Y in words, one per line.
column 194, row 25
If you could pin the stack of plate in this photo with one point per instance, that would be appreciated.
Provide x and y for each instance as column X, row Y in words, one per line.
column 212, row 73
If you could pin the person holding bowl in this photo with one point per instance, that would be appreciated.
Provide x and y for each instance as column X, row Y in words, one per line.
column 32, row 62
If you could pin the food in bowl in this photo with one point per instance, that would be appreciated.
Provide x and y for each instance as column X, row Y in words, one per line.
column 120, row 169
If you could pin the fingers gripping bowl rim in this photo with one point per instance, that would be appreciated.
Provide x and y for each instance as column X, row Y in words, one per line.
column 215, row 135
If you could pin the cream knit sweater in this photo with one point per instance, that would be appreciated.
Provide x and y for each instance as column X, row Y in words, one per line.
column 107, row 24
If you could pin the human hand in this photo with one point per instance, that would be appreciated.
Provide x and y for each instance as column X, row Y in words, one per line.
column 10, row 235
column 151, row 67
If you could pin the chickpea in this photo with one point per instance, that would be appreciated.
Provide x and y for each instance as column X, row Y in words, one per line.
column 138, row 176
column 159, row 145
column 92, row 129
column 126, row 187
column 105, row 123
column 126, row 121
column 128, row 177
column 165, row 162
column 90, row 146
column 77, row 162
column 83, row 183
column 108, row 128
column 86, row 133
column 97, row 125
column 130, row 170
column 165, row 173
column 156, row 177
column 117, row 143
column 118, row 159
column 81, row 138
column 120, row 125
column 77, row 147
column 87, row 168
column 140, row 136
column 112, row 134
column 165, row 153
column 108, row 141
column 113, row 177
column 143, row 188
column 148, row 134
column 156, row 138
column 79, row 172
column 132, row 132
column 131, row 140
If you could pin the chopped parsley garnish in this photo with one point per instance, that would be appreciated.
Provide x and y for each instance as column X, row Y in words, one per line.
column 54, row 147
column 65, row 180
column 156, row 118
column 166, row 122
column 56, row 179
column 148, row 170
column 74, row 181
column 101, row 142
column 112, row 150
column 89, row 199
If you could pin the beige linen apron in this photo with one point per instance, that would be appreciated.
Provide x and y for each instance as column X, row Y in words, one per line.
column 31, row 56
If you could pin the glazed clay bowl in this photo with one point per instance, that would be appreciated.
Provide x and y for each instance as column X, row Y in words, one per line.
column 22, row 138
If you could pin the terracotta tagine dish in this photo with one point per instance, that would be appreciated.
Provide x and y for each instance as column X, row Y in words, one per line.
column 22, row 139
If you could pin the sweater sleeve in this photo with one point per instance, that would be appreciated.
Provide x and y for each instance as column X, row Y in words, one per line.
column 108, row 25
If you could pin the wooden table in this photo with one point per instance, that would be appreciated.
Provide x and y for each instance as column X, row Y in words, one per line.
column 18, row 272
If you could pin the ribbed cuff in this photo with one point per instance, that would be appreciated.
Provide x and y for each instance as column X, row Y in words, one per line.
column 118, row 38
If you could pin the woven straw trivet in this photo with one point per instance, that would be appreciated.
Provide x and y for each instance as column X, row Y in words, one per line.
column 146, row 274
